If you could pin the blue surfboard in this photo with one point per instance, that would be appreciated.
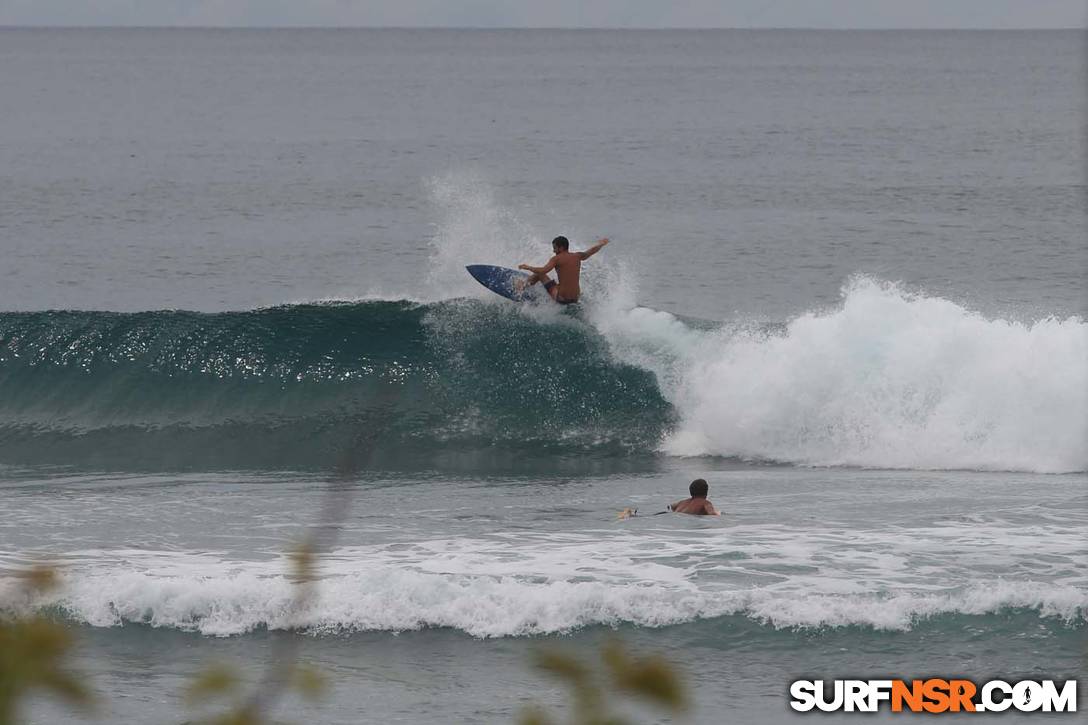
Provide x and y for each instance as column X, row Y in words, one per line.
column 502, row 281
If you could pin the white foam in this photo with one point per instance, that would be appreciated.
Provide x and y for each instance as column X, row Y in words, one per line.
column 888, row 379
column 401, row 600
column 527, row 583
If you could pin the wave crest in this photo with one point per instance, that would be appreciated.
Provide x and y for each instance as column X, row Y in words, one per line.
column 401, row 600
column 887, row 379
column 291, row 386
column 892, row 380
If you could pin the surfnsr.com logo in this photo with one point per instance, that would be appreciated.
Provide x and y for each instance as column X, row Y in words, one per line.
column 933, row 695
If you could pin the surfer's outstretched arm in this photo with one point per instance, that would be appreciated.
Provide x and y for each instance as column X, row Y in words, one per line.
column 594, row 249
column 540, row 274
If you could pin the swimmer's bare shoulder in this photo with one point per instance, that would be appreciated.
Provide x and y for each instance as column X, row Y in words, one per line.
column 698, row 504
column 695, row 507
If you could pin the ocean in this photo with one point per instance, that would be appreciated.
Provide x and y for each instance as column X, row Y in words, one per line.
column 846, row 286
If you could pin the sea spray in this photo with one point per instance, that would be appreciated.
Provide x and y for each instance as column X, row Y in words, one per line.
column 889, row 379
column 474, row 229
column 886, row 379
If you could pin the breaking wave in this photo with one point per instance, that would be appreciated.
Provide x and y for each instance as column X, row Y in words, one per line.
column 885, row 379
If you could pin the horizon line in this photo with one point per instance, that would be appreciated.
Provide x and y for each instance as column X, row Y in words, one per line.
column 639, row 28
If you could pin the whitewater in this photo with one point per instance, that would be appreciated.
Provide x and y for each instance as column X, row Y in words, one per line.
column 890, row 379
column 886, row 379
column 506, row 584
column 845, row 287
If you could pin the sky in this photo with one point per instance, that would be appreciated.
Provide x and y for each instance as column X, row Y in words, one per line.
column 553, row 13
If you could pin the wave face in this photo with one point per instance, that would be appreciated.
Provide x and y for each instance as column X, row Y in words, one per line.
column 292, row 386
column 887, row 379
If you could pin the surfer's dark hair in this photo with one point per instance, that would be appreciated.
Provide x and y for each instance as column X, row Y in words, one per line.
column 561, row 242
column 698, row 488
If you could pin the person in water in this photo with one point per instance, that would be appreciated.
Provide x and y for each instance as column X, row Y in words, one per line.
column 698, row 503
column 567, row 266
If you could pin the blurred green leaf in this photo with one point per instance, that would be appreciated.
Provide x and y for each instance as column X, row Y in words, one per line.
column 308, row 681
column 651, row 677
column 40, row 578
column 564, row 667
column 534, row 716
column 214, row 681
column 33, row 653
column 303, row 560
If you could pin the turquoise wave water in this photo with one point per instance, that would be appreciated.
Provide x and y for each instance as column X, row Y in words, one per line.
column 292, row 385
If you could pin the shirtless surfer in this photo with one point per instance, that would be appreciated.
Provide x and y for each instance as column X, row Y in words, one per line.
column 698, row 503
column 567, row 266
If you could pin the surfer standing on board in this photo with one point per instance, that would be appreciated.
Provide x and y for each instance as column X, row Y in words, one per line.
column 567, row 266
